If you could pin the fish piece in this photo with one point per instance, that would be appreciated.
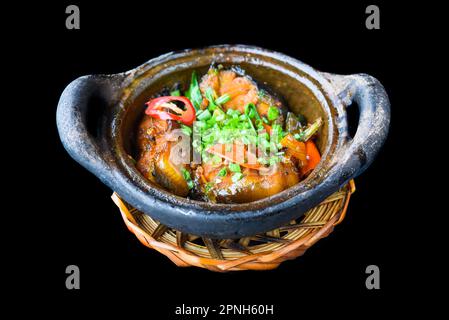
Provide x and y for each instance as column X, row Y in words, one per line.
column 150, row 142
column 169, row 175
column 240, row 88
column 253, row 186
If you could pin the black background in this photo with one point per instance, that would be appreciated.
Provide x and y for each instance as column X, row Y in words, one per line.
column 69, row 217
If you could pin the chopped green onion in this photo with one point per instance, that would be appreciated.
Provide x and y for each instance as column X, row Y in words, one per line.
column 219, row 115
column 222, row 172
column 196, row 143
column 310, row 131
column 211, row 95
column 273, row 113
column 276, row 131
column 186, row 130
column 187, row 177
column 223, row 99
column 204, row 115
column 200, row 124
column 276, row 127
column 232, row 112
column 175, row 93
column 259, row 124
column 237, row 176
column 216, row 159
column 234, row 167
column 194, row 92
column 185, row 173
column 208, row 187
column 225, row 127
column 251, row 111
column 274, row 160
column 264, row 136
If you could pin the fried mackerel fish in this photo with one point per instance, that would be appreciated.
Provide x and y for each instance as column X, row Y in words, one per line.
column 251, row 146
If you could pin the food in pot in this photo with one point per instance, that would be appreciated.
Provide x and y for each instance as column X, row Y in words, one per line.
column 239, row 142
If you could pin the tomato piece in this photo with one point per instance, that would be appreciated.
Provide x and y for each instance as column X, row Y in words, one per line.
column 313, row 157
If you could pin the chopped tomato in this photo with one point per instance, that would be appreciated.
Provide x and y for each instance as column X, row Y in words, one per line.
column 313, row 157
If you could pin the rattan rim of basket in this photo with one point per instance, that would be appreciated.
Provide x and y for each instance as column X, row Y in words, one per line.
column 317, row 223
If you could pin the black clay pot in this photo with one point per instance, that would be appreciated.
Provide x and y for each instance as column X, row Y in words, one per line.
column 97, row 117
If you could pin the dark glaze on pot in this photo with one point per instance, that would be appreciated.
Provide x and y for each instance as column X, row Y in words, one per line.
column 97, row 115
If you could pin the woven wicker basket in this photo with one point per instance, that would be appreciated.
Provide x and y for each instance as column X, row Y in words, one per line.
column 259, row 252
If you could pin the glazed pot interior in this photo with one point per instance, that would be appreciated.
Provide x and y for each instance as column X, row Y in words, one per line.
column 299, row 91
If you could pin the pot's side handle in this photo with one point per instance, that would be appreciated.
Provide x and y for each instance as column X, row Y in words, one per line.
column 374, row 121
column 71, row 120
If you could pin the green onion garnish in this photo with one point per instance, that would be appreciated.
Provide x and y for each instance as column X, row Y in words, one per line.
column 208, row 187
column 273, row 113
column 218, row 115
column 204, row 115
column 194, row 92
column 216, row 126
column 234, row 167
column 186, row 130
column 276, row 131
column 222, row 172
column 251, row 111
column 232, row 112
column 187, row 177
column 274, row 160
column 237, row 176
column 210, row 96
column 310, row 131
column 223, row 99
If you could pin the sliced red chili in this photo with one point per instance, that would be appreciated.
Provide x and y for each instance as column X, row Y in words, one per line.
column 159, row 108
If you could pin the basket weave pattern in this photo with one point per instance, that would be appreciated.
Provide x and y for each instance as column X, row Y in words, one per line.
column 259, row 252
